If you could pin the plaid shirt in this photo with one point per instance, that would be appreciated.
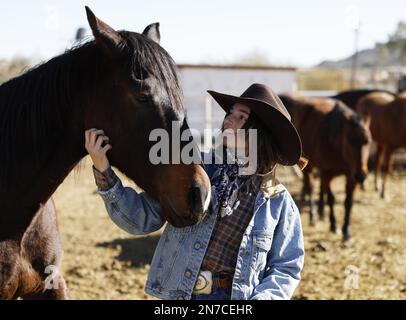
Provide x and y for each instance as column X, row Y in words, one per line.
column 222, row 252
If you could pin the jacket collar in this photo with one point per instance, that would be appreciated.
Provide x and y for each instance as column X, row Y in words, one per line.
column 270, row 186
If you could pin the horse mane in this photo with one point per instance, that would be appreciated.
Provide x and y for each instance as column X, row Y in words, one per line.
column 34, row 105
column 32, row 108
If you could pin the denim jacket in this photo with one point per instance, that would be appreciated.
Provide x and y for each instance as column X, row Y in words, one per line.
column 270, row 257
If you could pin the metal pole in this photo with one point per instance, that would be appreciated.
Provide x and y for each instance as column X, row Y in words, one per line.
column 80, row 34
column 354, row 59
column 208, row 135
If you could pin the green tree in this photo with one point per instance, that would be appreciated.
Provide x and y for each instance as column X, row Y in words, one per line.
column 323, row 79
column 396, row 43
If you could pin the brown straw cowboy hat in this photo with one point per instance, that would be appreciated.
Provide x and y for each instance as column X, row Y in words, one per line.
column 266, row 104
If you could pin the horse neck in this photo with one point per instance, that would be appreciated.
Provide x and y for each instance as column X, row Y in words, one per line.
column 84, row 78
column 332, row 132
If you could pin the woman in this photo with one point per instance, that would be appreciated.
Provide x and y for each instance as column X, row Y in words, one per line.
column 250, row 243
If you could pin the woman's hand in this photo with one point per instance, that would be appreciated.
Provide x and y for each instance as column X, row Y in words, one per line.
column 94, row 139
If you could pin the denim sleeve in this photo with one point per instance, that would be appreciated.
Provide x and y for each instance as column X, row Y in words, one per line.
column 286, row 257
column 136, row 213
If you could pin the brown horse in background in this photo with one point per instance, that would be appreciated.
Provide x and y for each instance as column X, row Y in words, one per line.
column 124, row 83
column 336, row 141
column 387, row 115
column 351, row 97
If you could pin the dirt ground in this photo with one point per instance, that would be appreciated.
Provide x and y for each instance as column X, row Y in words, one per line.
column 103, row 262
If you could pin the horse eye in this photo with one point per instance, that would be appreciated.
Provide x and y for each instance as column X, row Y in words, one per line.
column 142, row 98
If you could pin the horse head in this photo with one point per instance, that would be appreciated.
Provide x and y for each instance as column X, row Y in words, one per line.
column 356, row 144
column 139, row 92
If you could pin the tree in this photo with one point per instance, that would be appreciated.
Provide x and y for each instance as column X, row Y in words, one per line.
column 253, row 58
column 396, row 43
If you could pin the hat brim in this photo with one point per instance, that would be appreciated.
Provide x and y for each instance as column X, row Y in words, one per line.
column 283, row 131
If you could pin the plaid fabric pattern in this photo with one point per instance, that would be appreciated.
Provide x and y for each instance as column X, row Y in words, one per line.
column 222, row 251
column 104, row 180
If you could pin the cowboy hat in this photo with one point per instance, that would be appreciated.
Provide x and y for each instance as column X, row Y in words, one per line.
column 266, row 104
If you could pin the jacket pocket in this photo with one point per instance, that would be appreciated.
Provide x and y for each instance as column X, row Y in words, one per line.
column 165, row 261
column 262, row 242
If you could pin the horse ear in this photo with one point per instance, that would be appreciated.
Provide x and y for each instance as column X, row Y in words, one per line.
column 152, row 32
column 103, row 33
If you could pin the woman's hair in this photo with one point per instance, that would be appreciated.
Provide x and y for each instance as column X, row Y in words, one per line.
column 267, row 151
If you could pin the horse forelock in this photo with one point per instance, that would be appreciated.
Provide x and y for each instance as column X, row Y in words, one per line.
column 147, row 58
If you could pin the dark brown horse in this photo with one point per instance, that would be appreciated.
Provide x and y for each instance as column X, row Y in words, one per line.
column 336, row 141
column 124, row 83
column 387, row 115
column 351, row 97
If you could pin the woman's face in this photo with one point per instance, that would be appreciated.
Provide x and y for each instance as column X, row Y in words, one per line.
column 237, row 117
column 235, row 120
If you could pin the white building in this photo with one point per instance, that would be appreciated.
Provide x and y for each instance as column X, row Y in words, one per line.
column 203, row 112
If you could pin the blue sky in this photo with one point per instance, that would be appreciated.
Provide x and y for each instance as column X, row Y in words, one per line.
column 288, row 32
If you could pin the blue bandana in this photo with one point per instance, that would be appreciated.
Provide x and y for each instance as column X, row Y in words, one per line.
column 225, row 179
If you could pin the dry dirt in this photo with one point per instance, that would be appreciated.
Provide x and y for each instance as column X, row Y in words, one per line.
column 103, row 262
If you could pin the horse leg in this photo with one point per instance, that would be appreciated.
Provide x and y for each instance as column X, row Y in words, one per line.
column 378, row 164
column 303, row 192
column 55, row 286
column 54, row 294
column 321, row 197
column 42, row 253
column 63, row 292
column 308, row 188
column 331, row 201
column 59, row 291
column 349, row 188
column 387, row 168
column 43, row 287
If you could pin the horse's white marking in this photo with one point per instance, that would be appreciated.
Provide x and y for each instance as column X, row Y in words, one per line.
column 207, row 201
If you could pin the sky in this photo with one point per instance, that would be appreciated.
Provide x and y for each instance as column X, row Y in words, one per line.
column 288, row 32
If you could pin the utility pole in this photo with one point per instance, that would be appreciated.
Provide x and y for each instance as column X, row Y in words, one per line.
column 208, row 134
column 354, row 62
column 353, row 22
column 80, row 34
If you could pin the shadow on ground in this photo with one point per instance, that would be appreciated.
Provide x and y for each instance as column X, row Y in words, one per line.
column 138, row 251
